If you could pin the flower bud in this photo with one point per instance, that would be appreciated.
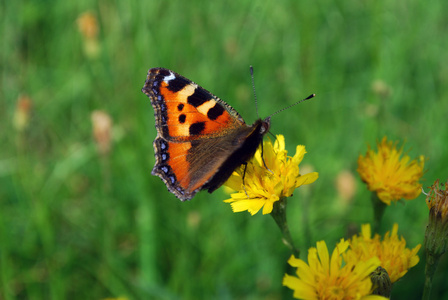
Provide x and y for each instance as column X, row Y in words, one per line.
column 382, row 285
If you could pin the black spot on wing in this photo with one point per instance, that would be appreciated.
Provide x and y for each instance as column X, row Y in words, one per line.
column 214, row 112
column 199, row 97
column 182, row 118
column 177, row 84
column 161, row 72
column 180, row 107
column 196, row 128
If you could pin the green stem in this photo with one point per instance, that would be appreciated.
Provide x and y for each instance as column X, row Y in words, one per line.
column 279, row 215
column 306, row 217
column 431, row 265
column 378, row 211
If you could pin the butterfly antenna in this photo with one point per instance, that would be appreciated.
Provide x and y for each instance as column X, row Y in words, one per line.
column 253, row 88
column 294, row 104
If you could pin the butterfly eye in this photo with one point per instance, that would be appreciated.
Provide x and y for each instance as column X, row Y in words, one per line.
column 265, row 124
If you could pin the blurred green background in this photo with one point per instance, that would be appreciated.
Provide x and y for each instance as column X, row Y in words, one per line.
column 76, row 223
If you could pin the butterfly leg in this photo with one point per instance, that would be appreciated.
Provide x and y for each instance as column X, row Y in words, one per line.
column 262, row 158
column 244, row 176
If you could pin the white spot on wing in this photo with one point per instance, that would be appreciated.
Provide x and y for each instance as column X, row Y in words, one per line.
column 170, row 77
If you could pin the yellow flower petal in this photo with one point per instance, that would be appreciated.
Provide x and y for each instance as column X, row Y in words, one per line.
column 301, row 289
column 234, row 182
column 307, row 179
column 300, row 153
column 322, row 251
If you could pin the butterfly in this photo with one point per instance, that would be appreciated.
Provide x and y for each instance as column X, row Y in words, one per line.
column 200, row 139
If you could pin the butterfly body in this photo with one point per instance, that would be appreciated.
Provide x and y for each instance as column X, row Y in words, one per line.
column 200, row 139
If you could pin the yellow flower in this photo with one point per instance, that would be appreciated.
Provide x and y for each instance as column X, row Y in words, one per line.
column 262, row 187
column 390, row 176
column 328, row 278
column 391, row 251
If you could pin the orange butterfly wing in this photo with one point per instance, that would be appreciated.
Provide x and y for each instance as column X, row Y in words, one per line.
column 200, row 138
